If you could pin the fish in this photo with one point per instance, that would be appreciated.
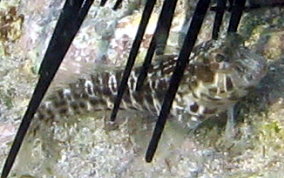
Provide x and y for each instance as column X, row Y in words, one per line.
column 219, row 74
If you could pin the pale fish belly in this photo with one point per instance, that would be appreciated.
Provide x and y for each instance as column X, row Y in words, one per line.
column 219, row 74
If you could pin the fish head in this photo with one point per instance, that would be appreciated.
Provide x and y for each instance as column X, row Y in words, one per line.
column 229, row 57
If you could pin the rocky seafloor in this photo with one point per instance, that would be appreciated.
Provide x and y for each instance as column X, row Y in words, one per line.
column 81, row 146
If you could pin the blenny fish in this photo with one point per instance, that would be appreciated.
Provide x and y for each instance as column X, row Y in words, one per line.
column 219, row 74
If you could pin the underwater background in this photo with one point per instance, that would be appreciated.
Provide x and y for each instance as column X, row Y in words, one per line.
column 81, row 146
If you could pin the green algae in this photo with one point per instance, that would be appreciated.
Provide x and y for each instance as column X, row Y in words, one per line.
column 8, row 102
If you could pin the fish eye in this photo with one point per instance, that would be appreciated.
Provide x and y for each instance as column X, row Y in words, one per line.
column 220, row 58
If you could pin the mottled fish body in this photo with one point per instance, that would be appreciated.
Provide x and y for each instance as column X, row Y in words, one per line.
column 219, row 74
